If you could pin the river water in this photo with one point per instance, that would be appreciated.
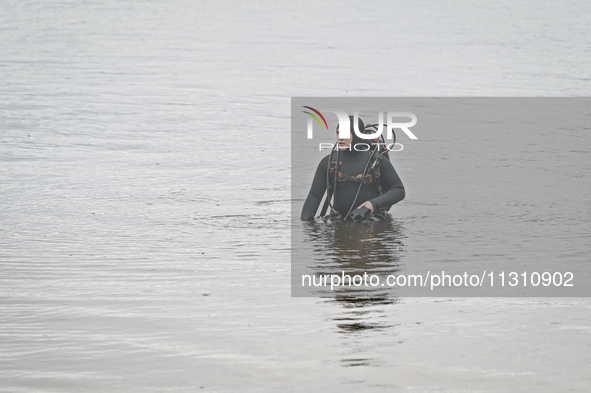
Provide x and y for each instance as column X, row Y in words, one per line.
column 145, row 182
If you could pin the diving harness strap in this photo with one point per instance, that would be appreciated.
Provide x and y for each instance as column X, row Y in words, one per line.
column 372, row 177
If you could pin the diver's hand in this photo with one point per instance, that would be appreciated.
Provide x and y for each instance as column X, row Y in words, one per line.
column 368, row 205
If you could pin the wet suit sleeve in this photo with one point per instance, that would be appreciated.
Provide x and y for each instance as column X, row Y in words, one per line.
column 316, row 191
column 391, row 185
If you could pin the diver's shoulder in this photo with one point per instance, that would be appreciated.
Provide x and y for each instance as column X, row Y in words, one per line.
column 385, row 160
column 384, row 157
column 324, row 160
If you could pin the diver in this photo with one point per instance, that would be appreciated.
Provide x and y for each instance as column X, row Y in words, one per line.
column 362, row 184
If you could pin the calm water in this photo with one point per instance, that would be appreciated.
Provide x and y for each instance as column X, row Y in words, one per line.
column 145, row 217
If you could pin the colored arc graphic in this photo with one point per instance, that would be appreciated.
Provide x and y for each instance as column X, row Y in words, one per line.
column 318, row 113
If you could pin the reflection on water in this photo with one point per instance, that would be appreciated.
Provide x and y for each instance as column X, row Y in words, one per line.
column 356, row 249
column 337, row 247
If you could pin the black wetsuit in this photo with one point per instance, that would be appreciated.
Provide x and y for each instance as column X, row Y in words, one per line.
column 353, row 163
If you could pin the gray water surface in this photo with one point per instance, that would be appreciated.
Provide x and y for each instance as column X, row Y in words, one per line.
column 145, row 215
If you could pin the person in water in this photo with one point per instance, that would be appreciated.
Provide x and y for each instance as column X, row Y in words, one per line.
column 350, row 192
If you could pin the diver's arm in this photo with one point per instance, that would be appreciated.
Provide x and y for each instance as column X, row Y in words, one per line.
column 316, row 191
column 391, row 185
